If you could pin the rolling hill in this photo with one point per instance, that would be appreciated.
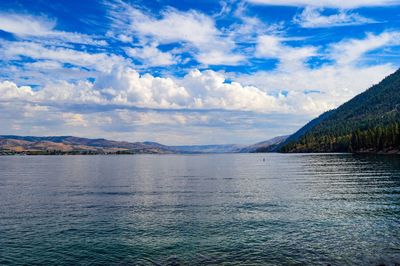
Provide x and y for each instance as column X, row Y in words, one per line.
column 10, row 144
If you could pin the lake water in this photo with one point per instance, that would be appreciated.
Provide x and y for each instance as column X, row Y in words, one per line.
column 267, row 209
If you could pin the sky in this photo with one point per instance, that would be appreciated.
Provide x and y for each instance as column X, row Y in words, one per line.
column 188, row 72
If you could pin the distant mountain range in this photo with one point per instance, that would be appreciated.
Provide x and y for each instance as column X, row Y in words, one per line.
column 265, row 146
column 368, row 123
column 31, row 145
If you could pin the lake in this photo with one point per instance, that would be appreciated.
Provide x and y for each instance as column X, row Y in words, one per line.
column 266, row 209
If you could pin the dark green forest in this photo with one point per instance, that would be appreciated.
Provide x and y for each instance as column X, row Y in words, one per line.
column 367, row 123
column 372, row 140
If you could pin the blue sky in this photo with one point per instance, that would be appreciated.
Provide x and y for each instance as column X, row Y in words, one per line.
column 188, row 72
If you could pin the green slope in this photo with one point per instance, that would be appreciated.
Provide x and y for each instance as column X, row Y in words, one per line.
column 369, row 122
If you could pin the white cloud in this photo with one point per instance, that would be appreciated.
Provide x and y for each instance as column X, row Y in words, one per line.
column 174, row 26
column 152, row 56
column 219, row 57
column 290, row 58
column 313, row 18
column 330, row 84
column 350, row 51
column 333, row 85
column 125, row 87
column 282, row 90
column 346, row 52
column 64, row 92
column 128, row 87
column 42, row 72
column 197, row 90
column 98, row 61
column 125, row 38
column 27, row 27
column 327, row 3
column 47, row 65
column 117, row 83
column 10, row 90
column 208, row 89
column 190, row 28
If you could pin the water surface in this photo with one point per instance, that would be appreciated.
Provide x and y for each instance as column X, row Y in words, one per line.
column 268, row 209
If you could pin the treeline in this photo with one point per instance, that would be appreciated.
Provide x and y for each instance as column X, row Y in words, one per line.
column 376, row 139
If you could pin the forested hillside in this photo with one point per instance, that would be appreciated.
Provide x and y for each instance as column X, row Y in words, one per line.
column 369, row 122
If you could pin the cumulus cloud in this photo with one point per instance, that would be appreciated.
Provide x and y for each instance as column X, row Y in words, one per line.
column 208, row 89
column 313, row 18
column 125, row 87
column 10, row 90
column 267, row 92
column 327, row 3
